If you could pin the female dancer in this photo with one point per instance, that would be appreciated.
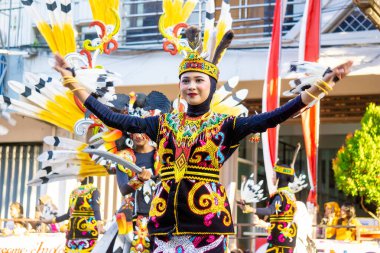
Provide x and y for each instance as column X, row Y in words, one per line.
column 282, row 206
column 190, row 211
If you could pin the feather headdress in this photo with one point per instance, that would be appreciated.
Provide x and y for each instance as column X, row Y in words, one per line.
column 202, row 56
column 59, row 33
column 43, row 97
column 69, row 160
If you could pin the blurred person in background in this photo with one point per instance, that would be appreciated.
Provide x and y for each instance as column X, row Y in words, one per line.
column 84, row 217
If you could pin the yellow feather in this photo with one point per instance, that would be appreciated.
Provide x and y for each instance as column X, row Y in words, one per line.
column 73, row 108
column 70, row 43
column 177, row 11
column 92, row 170
column 216, row 99
column 102, row 10
column 61, row 118
column 93, row 8
column 221, row 30
column 47, row 33
column 52, row 106
column 59, row 39
column 83, row 156
column 188, row 9
column 97, row 9
column 167, row 4
column 83, row 146
column 46, row 116
column 206, row 37
column 224, row 109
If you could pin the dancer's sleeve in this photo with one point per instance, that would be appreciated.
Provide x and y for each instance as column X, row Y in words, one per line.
column 123, row 122
column 261, row 122
column 95, row 204
column 123, row 181
column 63, row 217
column 271, row 209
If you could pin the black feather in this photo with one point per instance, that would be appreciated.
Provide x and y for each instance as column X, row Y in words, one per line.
column 157, row 100
column 224, row 44
column 120, row 102
column 193, row 35
column 140, row 100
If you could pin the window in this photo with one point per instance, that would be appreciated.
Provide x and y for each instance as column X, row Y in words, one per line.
column 18, row 164
column 251, row 18
column 142, row 18
column 355, row 22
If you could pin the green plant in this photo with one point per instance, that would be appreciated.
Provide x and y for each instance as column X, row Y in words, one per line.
column 357, row 163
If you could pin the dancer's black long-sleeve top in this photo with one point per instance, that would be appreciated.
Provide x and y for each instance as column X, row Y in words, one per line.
column 190, row 199
column 281, row 209
column 144, row 194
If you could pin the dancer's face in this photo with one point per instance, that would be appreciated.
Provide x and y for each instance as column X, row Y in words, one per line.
column 140, row 140
column 194, row 87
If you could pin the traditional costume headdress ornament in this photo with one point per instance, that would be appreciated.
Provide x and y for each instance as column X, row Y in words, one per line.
column 284, row 170
column 68, row 159
column 199, row 56
column 45, row 98
column 202, row 55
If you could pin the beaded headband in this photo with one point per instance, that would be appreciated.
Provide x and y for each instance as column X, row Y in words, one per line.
column 284, row 170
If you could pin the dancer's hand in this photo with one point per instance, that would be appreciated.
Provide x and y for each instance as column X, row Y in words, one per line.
column 311, row 95
column 338, row 73
column 246, row 208
column 62, row 66
column 66, row 72
column 144, row 175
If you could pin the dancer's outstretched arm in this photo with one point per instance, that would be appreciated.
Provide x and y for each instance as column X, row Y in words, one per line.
column 261, row 122
column 127, row 123
column 338, row 72
column 63, row 68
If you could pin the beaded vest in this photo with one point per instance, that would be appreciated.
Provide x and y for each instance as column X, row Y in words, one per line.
column 190, row 199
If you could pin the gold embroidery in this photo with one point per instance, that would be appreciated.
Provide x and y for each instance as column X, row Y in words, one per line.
column 158, row 207
column 210, row 203
column 162, row 151
column 180, row 165
column 165, row 186
column 209, row 148
column 288, row 231
column 87, row 225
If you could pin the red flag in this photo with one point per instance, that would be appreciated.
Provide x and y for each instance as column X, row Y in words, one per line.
column 271, row 93
column 309, row 51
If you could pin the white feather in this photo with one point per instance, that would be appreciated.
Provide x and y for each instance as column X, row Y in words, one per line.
column 251, row 192
column 62, row 142
column 307, row 68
